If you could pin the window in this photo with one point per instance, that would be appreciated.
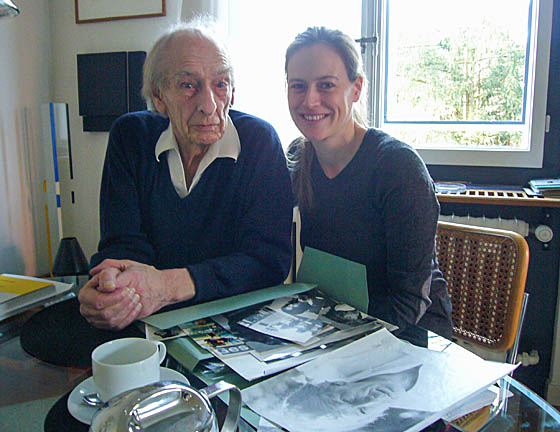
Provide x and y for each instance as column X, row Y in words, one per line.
column 463, row 82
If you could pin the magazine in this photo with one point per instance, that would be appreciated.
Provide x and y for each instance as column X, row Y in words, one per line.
column 214, row 338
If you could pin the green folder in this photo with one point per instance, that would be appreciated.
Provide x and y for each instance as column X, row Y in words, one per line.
column 175, row 317
column 340, row 279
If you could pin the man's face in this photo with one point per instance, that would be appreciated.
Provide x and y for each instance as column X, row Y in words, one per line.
column 199, row 91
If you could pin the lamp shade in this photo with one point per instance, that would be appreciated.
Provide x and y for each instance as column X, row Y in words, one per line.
column 70, row 259
column 7, row 8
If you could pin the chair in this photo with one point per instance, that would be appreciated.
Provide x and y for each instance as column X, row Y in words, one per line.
column 486, row 270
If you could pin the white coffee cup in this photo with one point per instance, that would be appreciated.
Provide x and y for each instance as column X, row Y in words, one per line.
column 123, row 364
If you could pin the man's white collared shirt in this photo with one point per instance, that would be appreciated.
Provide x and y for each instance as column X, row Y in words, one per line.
column 228, row 146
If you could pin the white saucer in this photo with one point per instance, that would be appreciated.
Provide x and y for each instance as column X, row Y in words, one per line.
column 84, row 413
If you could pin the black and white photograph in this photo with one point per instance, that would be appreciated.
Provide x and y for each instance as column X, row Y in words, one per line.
column 284, row 326
column 258, row 342
column 155, row 334
column 268, row 348
column 377, row 383
column 343, row 316
column 305, row 305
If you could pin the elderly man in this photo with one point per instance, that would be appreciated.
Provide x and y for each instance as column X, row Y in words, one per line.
column 196, row 202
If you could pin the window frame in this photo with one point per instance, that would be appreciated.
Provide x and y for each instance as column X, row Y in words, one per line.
column 373, row 24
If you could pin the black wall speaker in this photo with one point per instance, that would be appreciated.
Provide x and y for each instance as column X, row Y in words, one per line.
column 109, row 85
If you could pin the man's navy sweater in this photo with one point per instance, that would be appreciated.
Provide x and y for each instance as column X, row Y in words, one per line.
column 232, row 232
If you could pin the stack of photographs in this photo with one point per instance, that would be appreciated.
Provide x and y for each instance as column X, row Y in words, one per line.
column 266, row 338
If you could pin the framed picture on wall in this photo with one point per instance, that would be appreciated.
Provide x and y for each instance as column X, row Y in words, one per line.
column 88, row 11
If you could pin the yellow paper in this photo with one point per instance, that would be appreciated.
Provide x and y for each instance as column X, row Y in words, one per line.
column 18, row 286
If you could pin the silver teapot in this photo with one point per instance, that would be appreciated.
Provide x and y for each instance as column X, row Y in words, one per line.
column 167, row 406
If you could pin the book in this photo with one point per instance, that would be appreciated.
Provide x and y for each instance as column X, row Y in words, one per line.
column 12, row 288
column 474, row 413
column 546, row 187
column 473, row 421
column 49, row 291
column 545, row 183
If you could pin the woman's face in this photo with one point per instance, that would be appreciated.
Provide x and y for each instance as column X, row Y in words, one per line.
column 320, row 94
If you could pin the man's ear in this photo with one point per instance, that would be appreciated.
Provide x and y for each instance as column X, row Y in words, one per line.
column 232, row 96
column 159, row 103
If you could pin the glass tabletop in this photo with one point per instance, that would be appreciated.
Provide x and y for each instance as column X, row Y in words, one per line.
column 520, row 409
column 515, row 407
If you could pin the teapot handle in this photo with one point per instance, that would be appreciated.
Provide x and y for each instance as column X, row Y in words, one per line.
column 234, row 405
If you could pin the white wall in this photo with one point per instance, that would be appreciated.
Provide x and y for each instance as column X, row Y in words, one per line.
column 24, row 85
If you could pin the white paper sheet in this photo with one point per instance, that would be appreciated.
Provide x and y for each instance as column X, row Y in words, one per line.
column 376, row 383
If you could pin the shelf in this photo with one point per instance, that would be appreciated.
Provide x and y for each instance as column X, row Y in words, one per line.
column 473, row 195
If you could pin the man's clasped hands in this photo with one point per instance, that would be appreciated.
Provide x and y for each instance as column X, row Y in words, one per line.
column 121, row 291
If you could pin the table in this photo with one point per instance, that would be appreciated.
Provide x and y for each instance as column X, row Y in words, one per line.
column 523, row 410
column 29, row 388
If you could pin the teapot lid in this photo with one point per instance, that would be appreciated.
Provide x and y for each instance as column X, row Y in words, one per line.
column 160, row 406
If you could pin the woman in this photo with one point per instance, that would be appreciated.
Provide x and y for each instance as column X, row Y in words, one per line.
column 363, row 195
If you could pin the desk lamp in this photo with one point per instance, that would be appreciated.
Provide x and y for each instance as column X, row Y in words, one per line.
column 7, row 8
column 70, row 259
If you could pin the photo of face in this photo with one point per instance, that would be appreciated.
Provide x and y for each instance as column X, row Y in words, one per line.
column 343, row 405
column 369, row 394
column 199, row 91
column 320, row 94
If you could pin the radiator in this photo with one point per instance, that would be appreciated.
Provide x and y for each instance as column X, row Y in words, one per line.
column 543, row 233
column 516, row 225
